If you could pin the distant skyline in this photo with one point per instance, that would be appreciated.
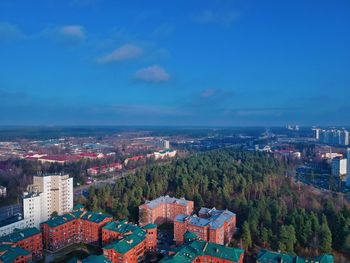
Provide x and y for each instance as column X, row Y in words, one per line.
column 168, row 63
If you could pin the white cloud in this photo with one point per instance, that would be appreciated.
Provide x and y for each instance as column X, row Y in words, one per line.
column 125, row 52
column 223, row 18
column 68, row 35
column 154, row 74
column 73, row 31
column 9, row 32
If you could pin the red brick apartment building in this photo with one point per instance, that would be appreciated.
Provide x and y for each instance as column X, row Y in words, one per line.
column 75, row 227
column 164, row 209
column 205, row 252
column 126, row 242
column 22, row 245
column 211, row 225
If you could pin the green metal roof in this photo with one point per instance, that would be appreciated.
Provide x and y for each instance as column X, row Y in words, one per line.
column 266, row 256
column 188, row 253
column 190, row 236
column 60, row 220
column 121, row 227
column 150, row 226
column 78, row 207
column 11, row 254
column 91, row 259
column 20, row 234
column 134, row 236
column 95, row 217
column 89, row 216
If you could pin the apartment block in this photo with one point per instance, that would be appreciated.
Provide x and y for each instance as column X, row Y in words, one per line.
column 75, row 227
column 164, row 209
column 29, row 239
column 211, row 225
column 126, row 242
column 266, row 256
column 49, row 193
column 201, row 251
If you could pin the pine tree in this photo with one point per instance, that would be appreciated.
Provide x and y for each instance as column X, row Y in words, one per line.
column 325, row 236
column 246, row 236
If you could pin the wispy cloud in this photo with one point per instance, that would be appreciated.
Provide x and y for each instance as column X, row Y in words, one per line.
column 123, row 53
column 68, row 35
column 152, row 74
column 222, row 18
column 163, row 30
column 9, row 32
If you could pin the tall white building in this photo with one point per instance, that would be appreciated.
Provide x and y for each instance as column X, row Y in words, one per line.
column 49, row 193
column 348, row 168
column 339, row 167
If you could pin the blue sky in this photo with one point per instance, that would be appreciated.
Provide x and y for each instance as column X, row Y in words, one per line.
column 218, row 62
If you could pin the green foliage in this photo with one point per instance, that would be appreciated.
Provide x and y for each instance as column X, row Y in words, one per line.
column 270, row 212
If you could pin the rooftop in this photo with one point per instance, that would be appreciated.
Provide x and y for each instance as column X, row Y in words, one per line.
column 266, row 256
column 91, row 259
column 88, row 216
column 208, row 217
column 189, row 252
column 134, row 235
column 20, row 234
column 166, row 200
column 12, row 253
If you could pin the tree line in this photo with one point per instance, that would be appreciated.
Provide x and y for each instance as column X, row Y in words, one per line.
column 272, row 211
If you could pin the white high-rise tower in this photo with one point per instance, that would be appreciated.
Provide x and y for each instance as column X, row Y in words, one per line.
column 348, row 168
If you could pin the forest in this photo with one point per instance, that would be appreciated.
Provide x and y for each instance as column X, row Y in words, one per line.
column 272, row 211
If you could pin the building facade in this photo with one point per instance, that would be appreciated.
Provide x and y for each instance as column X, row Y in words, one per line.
column 211, row 225
column 164, row 209
column 49, row 193
column 29, row 240
column 348, row 168
column 75, row 227
column 127, row 242
column 339, row 167
column 201, row 251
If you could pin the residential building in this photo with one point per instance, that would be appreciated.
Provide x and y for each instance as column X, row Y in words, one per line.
column 348, row 168
column 163, row 154
column 49, row 193
column 3, row 191
column 91, row 259
column 211, row 225
column 339, row 167
column 266, row 256
column 14, row 254
column 29, row 239
column 127, row 242
column 164, row 209
column 332, row 136
column 201, row 251
column 78, row 226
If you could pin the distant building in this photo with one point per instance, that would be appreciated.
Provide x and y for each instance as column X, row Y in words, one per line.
column 28, row 239
column 3, row 191
column 266, row 256
column 79, row 226
column 348, row 168
column 164, row 209
column 127, row 242
column 104, row 169
column 211, row 225
column 339, row 167
column 332, row 136
column 201, row 251
column 163, row 154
